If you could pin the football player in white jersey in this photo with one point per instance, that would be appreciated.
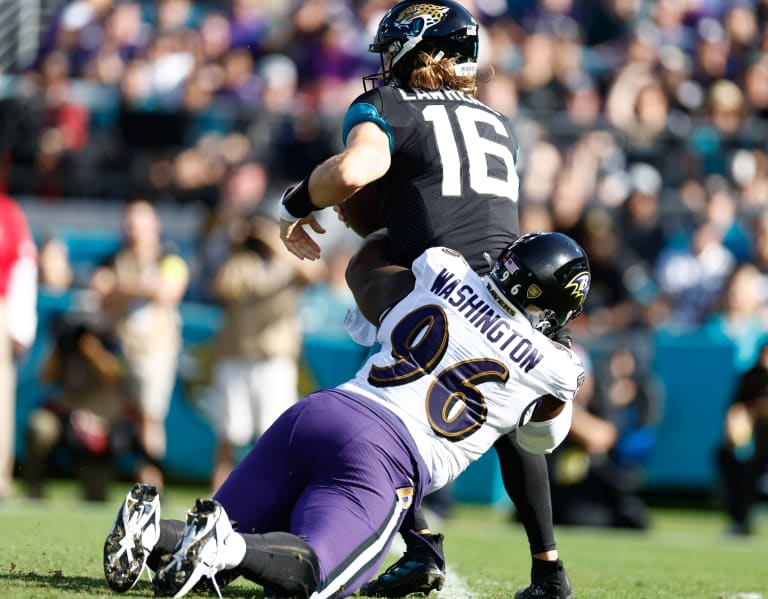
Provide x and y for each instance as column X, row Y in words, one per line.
column 464, row 360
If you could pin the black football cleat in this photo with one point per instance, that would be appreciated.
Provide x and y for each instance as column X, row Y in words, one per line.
column 549, row 580
column 421, row 569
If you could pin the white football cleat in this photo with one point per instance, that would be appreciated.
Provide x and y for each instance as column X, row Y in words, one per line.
column 132, row 538
column 208, row 546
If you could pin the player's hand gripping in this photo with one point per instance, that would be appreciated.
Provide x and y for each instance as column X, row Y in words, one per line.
column 297, row 240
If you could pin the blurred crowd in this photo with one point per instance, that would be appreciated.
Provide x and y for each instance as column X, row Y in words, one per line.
column 642, row 126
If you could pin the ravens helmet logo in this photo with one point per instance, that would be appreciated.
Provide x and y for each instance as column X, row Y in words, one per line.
column 579, row 286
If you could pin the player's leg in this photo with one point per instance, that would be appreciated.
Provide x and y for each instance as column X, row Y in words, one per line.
column 345, row 462
column 260, row 493
column 526, row 481
column 257, row 497
column 421, row 568
column 361, row 491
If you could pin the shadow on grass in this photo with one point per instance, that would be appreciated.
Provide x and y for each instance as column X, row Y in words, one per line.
column 63, row 583
column 54, row 579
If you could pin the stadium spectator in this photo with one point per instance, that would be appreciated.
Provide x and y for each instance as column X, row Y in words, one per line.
column 140, row 288
column 641, row 226
column 742, row 457
column 691, row 276
column 55, row 272
column 241, row 192
column 89, row 410
column 324, row 305
column 374, row 435
column 759, row 247
column 740, row 316
column 18, row 322
column 257, row 349
column 75, row 29
column 723, row 212
column 597, row 472
column 613, row 306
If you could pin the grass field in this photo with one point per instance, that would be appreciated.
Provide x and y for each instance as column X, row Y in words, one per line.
column 52, row 549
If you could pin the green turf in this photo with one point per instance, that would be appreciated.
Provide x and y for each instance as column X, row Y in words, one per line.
column 52, row 549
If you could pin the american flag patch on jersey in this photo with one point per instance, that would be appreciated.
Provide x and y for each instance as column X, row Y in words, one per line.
column 405, row 497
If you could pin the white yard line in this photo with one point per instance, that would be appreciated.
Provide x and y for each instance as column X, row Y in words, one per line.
column 456, row 587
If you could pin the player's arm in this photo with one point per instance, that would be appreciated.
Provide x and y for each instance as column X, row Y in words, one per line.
column 548, row 426
column 375, row 280
column 366, row 158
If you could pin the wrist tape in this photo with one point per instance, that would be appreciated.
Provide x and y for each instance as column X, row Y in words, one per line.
column 296, row 203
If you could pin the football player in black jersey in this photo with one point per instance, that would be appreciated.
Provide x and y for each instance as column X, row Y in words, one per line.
column 443, row 164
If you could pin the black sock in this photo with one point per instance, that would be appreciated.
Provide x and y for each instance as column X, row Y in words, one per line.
column 280, row 562
column 541, row 567
column 420, row 521
column 171, row 532
column 526, row 480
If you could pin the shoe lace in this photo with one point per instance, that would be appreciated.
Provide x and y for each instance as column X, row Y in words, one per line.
column 133, row 522
column 176, row 560
column 212, row 578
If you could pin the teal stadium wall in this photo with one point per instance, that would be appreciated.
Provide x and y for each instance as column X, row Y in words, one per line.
column 695, row 371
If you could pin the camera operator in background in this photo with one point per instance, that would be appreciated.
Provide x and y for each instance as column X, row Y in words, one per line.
column 90, row 409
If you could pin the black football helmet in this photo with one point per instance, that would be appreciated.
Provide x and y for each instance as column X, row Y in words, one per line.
column 442, row 28
column 544, row 274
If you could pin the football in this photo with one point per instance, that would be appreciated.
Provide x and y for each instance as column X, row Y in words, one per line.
column 362, row 211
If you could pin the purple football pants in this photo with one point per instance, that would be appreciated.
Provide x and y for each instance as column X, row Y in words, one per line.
column 337, row 471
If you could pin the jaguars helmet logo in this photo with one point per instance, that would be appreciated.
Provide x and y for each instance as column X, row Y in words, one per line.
column 579, row 286
column 419, row 17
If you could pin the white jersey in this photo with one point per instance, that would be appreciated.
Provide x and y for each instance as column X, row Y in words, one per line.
column 459, row 370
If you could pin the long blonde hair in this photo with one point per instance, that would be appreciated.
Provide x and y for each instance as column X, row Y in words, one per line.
column 431, row 74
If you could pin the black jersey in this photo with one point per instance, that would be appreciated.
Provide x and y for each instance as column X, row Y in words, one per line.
column 452, row 181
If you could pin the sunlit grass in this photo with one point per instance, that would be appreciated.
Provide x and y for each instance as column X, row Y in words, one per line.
column 52, row 548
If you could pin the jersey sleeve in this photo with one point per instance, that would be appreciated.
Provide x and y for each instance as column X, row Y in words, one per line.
column 367, row 108
column 565, row 378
